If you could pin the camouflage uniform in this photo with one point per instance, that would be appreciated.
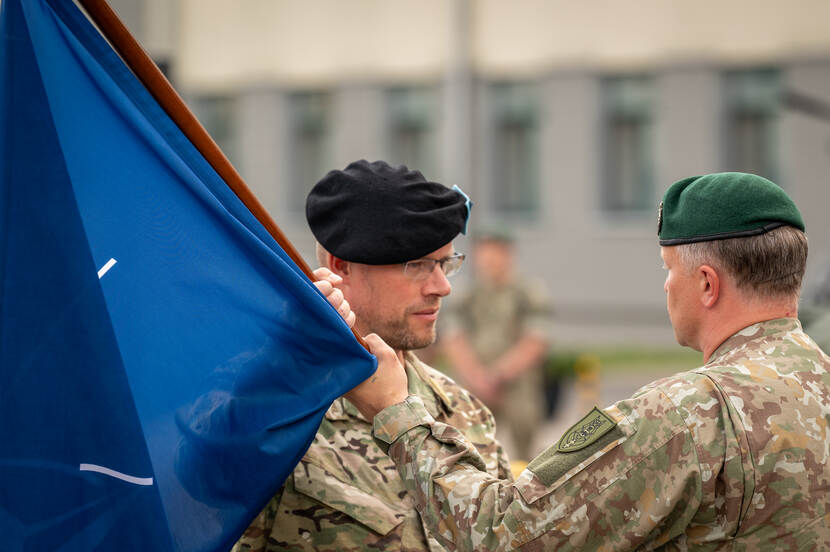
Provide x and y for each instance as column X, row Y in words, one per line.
column 493, row 319
column 731, row 456
column 346, row 493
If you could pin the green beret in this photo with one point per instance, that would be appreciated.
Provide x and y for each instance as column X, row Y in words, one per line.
column 376, row 214
column 723, row 205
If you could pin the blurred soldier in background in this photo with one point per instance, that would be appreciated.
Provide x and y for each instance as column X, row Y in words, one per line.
column 497, row 338
column 385, row 239
column 734, row 455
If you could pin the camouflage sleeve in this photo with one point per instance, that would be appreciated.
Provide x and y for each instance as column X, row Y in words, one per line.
column 627, row 477
column 504, row 471
column 255, row 537
column 477, row 423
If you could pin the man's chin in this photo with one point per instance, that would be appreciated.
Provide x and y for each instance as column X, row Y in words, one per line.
column 415, row 344
column 684, row 341
column 410, row 341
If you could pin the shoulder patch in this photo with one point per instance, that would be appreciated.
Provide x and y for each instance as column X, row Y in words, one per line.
column 586, row 431
column 582, row 441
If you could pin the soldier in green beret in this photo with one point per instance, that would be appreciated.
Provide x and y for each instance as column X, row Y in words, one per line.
column 734, row 455
column 385, row 239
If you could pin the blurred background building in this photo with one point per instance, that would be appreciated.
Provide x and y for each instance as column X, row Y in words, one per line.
column 564, row 120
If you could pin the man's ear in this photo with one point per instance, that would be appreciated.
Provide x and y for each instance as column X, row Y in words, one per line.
column 339, row 266
column 709, row 286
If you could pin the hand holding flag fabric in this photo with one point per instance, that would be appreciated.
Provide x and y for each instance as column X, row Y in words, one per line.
column 387, row 386
column 326, row 280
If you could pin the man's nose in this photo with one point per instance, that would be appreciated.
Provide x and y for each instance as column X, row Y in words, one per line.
column 437, row 283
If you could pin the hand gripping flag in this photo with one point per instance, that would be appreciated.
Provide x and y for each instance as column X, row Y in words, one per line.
column 163, row 363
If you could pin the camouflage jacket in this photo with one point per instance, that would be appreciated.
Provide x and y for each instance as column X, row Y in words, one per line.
column 346, row 493
column 731, row 456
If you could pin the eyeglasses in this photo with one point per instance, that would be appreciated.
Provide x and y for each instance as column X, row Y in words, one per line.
column 422, row 268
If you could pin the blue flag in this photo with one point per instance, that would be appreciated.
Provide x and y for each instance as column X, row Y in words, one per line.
column 163, row 363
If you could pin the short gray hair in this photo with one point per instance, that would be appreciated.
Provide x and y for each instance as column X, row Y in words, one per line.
column 769, row 265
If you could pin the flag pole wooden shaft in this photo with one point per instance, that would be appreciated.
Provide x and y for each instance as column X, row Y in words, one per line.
column 160, row 88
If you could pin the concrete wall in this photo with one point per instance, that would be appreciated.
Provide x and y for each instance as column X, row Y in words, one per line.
column 225, row 45
column 534, row 35
column 310, row 43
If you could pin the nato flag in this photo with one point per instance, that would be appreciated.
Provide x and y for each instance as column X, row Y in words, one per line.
column 163, row 363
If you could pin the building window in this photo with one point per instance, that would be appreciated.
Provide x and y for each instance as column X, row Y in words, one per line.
column 514, row 156
column 410, row 125
column 628, row 183
column 218, row 115
column 753, row 102
column 309, row 142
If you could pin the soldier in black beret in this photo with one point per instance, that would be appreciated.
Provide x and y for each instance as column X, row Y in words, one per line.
column 385, row 245
column 376, row 225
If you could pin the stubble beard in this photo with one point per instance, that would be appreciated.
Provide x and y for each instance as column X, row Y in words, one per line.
column 399, row 335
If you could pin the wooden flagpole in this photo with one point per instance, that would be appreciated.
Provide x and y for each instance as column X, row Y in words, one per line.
column 160, row 88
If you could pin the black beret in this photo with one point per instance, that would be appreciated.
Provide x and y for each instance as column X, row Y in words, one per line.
column 372, row 213
column 723, row 205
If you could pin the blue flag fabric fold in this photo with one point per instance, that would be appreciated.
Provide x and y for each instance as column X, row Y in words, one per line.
column 163, row 363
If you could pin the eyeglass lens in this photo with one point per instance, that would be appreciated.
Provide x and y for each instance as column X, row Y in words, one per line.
column 424, row 267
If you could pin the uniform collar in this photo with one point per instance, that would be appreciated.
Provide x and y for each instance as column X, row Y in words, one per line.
column 754, row 332
column 420, row 384
column 425, row 386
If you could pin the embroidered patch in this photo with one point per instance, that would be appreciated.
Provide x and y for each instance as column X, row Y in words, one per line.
column 552, row 465
column 586, row 431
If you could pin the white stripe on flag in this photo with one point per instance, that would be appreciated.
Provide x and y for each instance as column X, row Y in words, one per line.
column 117, row 475
column 106, row 267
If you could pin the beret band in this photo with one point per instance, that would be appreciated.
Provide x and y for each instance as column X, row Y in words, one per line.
column 725, row 235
